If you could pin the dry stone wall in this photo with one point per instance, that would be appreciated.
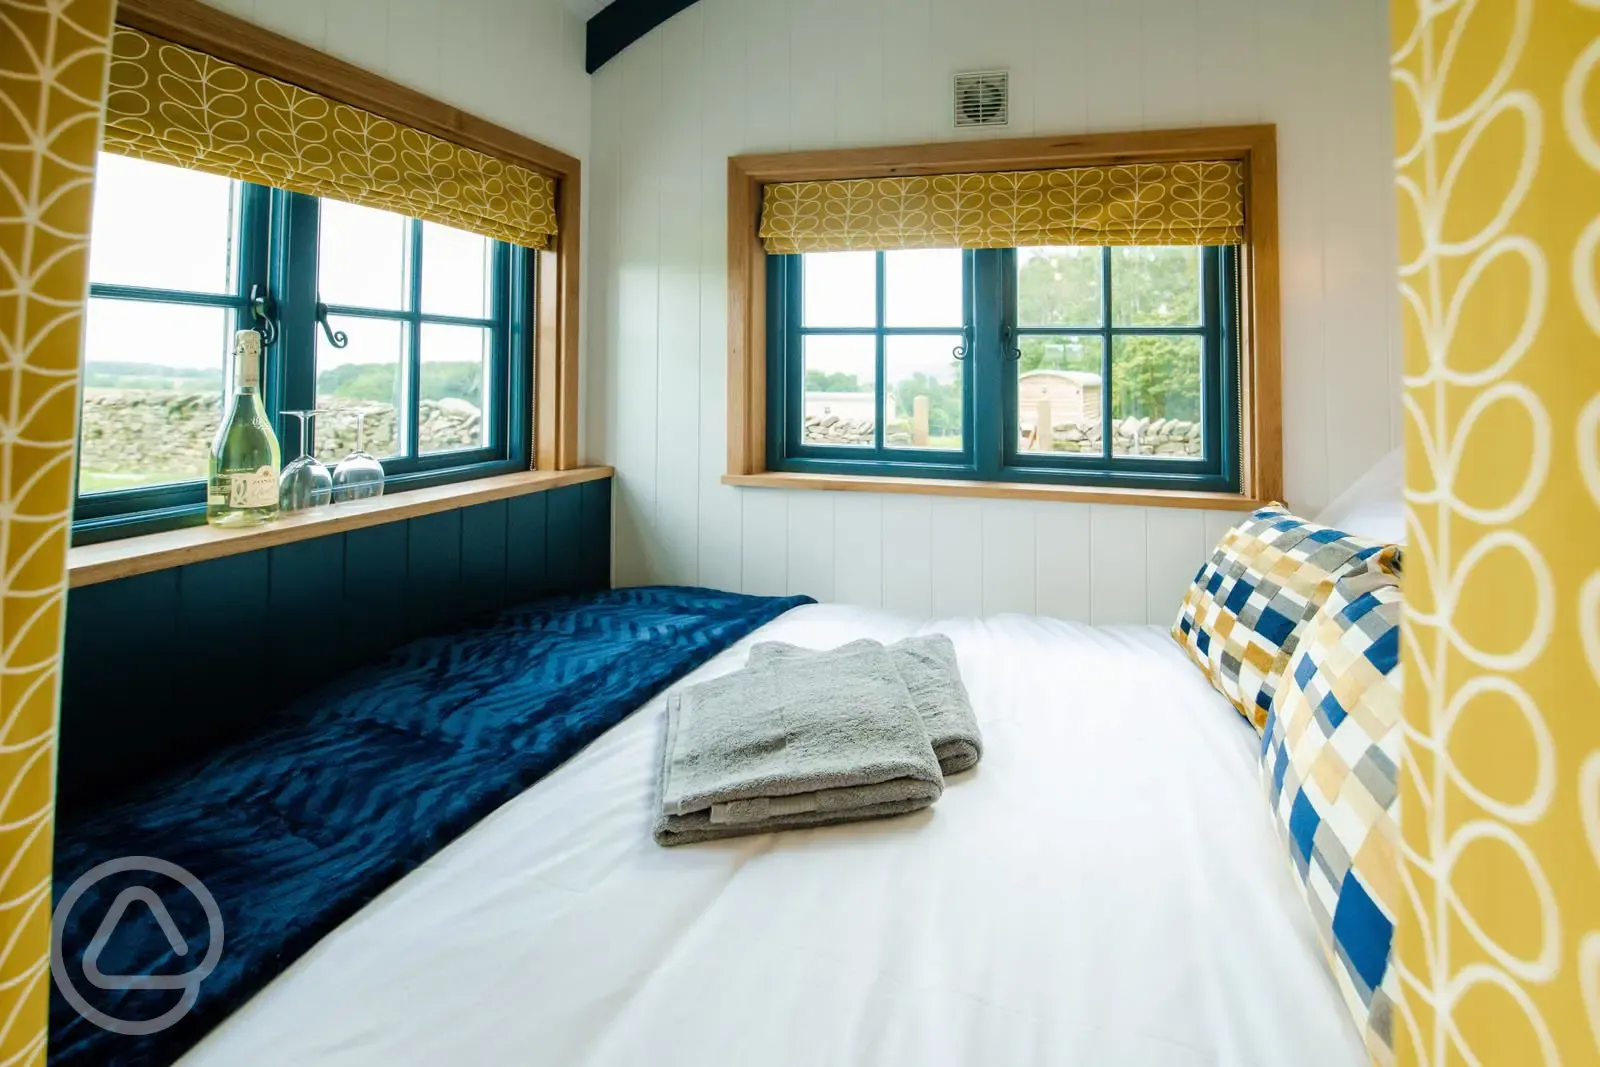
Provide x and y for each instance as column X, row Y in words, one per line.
column 137, row 431
column 1130, row 437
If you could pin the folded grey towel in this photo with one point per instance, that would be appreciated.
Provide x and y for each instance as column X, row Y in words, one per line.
column 928, row 667
column 791, row 743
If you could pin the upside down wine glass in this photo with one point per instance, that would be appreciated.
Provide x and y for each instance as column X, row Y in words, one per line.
column 305, row 482
column 359, row 476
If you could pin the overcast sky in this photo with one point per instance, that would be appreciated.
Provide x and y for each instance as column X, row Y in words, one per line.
column 164, row 227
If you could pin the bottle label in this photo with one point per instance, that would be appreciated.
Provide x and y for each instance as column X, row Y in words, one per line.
column 257, row 489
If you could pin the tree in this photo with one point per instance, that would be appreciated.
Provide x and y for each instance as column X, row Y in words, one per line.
column 818, row 381
column 944, row 401
column 1152, row 375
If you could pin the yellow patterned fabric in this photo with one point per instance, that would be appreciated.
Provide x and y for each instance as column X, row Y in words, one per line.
column 1497, row 122
column 175, row 105
column 52, row 84
column 1198, row 203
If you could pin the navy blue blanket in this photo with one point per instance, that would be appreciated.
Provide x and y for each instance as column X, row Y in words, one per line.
column 297, row 828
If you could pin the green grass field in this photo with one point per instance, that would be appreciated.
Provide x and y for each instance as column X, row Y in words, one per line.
column 107, row 481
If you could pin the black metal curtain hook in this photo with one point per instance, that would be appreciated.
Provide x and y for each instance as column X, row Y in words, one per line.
column 336, row 338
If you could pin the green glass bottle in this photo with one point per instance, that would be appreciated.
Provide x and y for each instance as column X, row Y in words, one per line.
column 243, row 487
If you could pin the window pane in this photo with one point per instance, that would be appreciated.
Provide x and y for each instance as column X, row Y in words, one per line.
column 455, row 272
column 924, row 406
column 1059, row 286
column 1155, row 396
column 1155, row 286
column 923, row 287
column 152, row 397
column 361, row 256
column 455, row 370
column 840, row 390
column 162, row 227
column 841, row 288
column 1058, row 394
column 363, row 377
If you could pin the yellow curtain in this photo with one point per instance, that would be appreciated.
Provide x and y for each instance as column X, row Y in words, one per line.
column 175, row 105
column 54, row 61
column 1497, row 115
column 1191, row 203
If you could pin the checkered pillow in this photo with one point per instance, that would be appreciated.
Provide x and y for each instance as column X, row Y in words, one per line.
column 1330, row 767
column 1244, row 613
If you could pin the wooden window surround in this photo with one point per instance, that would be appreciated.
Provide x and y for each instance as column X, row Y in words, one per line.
column 1261, row 425
column 206, row 29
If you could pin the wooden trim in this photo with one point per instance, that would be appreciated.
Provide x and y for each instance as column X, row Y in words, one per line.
column 555, row 347
column 1079, row 494
column 1261, row 346
column 747, row 326
column 1028, row 153
column 1261, row 384
column 228, row 37
column 109, row 560
column 556, row 359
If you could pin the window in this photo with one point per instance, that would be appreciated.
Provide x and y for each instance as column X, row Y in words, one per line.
column 408, row 324
column 1085, row 366
column 1124, row 349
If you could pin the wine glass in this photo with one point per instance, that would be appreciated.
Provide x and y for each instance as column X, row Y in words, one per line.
column 305, row 482
column 358, row 476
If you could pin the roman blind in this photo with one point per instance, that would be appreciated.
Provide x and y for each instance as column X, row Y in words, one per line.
column 1180, row 203
column 176, row 105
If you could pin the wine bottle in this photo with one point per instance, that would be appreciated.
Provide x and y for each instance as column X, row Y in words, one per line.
column 243, row 488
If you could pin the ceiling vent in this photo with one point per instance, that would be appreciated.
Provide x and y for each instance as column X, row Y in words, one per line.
column 983, row 98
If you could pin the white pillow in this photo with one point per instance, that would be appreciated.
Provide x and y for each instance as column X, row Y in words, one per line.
column 1375, row 506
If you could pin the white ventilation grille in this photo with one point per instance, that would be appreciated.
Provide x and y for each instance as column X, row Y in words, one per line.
column 983, row 98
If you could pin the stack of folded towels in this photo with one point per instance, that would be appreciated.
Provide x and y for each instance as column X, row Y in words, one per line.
column 802, row 737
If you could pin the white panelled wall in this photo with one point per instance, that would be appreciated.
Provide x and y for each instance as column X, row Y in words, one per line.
column 732, row 76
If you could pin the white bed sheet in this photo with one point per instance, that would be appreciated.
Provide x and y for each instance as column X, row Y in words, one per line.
column 1104, row 890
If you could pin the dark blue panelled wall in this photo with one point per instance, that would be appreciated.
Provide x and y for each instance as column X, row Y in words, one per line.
column 162, row 667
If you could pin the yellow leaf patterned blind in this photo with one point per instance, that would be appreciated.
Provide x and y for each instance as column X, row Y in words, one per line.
column 174, row 105
column 1188, row 203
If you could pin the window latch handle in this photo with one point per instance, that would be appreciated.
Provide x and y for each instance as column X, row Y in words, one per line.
column 1008, row 342
column 336, row 338
column 960, row 351
column 263, row 311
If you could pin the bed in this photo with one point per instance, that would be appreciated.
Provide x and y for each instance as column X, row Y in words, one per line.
column 1104, row 889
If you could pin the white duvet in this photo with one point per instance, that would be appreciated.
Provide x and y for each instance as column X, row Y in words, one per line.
column 1104, row 890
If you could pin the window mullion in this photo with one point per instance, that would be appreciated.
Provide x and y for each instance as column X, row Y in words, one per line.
column 1107, row 434
column 292, row 271
column 881, row 393
column 994, row 414
column 494, row 393
column 413, row 397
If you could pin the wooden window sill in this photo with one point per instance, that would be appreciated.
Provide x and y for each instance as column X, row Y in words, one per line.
column 1082, row 494
column 108, row 560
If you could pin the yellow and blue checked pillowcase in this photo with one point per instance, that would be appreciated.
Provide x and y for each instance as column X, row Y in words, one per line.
column 1330, row 766
column 1242, row 616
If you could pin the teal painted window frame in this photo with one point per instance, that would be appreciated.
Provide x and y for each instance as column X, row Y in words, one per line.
column 276, row 248
column 992, row 339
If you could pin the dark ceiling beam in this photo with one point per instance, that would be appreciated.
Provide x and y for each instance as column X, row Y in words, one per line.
column 621, row 24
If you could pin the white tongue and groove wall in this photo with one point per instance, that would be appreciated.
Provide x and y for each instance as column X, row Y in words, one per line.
column 655, row 127
column 732, row 76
